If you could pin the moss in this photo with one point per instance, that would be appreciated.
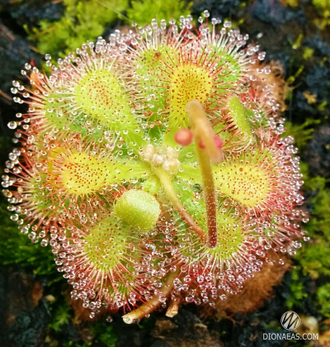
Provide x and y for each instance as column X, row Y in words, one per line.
column 314, row 257
column 323, row 297
column 320, row 224
column 82, row 21
column 308, row 53
column 302, row 133
column 297, row 43
column 16, row 248
column 297, row 289
column 323, row 8
column 322, row 106
column 292, row 3
column 104, row 333
column 143, row 12
column 61, row 315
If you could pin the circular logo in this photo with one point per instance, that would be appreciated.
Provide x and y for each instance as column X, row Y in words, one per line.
column 290, row 320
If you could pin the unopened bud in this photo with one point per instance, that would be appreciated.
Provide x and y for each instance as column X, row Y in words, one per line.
column 183, row 137
column 217, row 141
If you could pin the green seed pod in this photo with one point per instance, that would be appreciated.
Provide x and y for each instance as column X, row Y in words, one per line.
column 138, row 209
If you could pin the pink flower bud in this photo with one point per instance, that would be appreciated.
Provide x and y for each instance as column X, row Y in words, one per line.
column 183, row 137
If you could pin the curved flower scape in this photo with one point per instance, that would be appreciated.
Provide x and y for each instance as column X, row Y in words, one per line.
column 154, row 167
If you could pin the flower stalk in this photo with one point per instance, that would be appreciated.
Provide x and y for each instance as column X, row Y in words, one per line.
column 203, row 131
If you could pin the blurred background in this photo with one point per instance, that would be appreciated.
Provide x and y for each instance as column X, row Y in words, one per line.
column 35, row 308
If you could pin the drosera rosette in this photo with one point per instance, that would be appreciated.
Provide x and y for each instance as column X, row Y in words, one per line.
column 155, row 164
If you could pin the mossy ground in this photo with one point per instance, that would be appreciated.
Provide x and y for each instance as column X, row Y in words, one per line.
column 34, row 306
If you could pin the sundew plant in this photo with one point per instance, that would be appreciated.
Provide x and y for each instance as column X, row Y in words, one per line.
column 153, row 166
